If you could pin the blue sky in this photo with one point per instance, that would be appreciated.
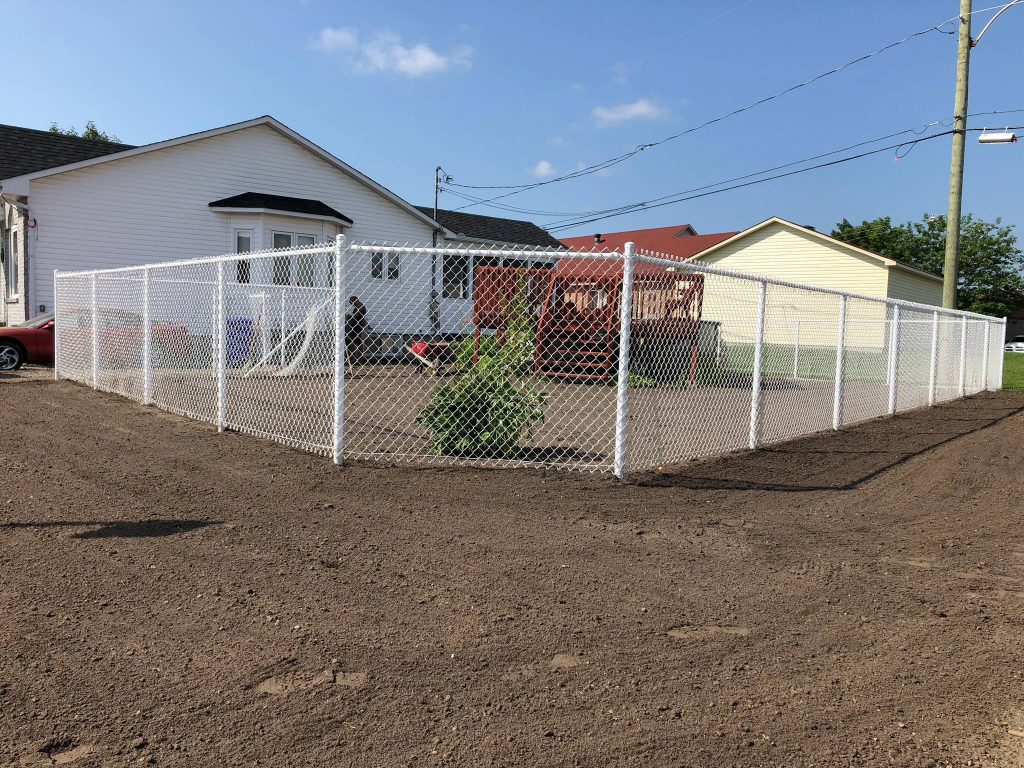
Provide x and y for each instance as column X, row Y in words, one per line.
column 506, row 93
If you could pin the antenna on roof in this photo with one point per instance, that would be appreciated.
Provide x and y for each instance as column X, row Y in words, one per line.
column 598, row 239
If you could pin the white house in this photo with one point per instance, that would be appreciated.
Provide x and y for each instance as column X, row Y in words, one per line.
column 76, row 205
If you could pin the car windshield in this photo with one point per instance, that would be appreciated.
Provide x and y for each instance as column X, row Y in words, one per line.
column 36, row 321
column 1017, row 340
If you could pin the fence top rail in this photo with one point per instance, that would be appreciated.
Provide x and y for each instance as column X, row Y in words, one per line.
column 686, row 266
column 303, row 250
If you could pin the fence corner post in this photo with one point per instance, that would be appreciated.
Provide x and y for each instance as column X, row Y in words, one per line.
column 339, row 351
column 894, row 357
column 962, row 388
column 1001, row 356
column 625, row 335
column 986, row 354
column 755, row 388
column 933, row 364
column 221, row 344
column 56, row 328
column 147, row 341
column 837, row 400
column 95, row 337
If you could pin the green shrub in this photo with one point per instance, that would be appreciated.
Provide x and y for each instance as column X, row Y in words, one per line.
column 489, row 409
column 483, row 413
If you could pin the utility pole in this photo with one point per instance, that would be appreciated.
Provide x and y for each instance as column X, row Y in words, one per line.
column 956, row 168
column 437, row 191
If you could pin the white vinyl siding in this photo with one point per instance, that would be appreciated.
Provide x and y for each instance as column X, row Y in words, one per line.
column 154, row 207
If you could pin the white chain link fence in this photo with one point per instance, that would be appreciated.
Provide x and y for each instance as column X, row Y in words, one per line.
column 507, row 357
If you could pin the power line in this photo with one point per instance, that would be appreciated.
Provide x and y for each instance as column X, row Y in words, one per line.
column 918, row 130
column 684, row 196
column 596, row 167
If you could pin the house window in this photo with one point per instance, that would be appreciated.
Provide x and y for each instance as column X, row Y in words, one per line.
column 243, row 244
column 12, row 267
column 384, row 266
column 294, row 270
column 305, row 265
column 455, row 277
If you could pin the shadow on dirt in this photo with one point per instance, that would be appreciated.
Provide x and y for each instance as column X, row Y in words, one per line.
column 834, row 461
column 121, row 529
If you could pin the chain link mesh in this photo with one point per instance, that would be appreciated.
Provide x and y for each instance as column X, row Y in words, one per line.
column 508, row 357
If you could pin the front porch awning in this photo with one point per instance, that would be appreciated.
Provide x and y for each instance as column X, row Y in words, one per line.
column 260, row 202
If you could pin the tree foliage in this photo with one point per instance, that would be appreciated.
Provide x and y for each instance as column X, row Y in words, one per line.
column 990, row 277
column 91, row 132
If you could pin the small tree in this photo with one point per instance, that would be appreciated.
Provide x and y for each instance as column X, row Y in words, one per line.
column 489, row 409
column 91, row 132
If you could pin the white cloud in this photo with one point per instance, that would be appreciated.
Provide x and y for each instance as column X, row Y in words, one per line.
column 641, row 109
column 543, row 169
column 386, row 52
column 336, row 39
column 558, row 141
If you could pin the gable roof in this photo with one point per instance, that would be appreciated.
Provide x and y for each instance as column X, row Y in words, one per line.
column 265, row 202
column 828, row 239
column 676, row 242
column 19, row 183
column 24, row 150
column 493, row 229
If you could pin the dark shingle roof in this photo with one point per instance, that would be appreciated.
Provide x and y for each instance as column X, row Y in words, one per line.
column 26, row 150
column 280, row 203
column 479, row 227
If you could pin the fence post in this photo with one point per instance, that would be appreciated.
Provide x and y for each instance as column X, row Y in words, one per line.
column 625, row 336
column 985, row 354
column 221, row 344
column 339, row 351
column 147, row 341
column 837, row 403
column 796, row 353
column 755, row 394
column 933, row 363
column 56, row 329
column 1001, row 356
column 95, row 337
column 894, row 355
column 962, row 389
column 281, row 354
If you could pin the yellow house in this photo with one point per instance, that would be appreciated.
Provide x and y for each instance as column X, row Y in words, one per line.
column 781, row 250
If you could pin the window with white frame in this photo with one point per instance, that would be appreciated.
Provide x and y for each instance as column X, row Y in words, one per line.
column 385, row 266
column 11, row 264
column 243, row 244
column 294, row 270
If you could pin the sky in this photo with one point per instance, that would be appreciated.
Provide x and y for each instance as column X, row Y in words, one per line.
column 514, row 93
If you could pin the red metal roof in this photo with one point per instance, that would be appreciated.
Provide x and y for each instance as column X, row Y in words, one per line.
column 660, row 239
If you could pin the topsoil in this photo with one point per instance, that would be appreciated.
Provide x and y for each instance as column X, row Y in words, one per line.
column 176, row 597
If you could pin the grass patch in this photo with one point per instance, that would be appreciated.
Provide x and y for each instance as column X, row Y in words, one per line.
column 1013, row 370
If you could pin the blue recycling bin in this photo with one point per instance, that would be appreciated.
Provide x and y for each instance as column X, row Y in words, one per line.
column 238, row 333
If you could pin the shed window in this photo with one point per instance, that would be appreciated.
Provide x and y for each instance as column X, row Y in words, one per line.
column 455, row 277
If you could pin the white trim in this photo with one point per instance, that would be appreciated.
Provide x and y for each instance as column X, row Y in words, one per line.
column 890, row 263
column 18, row 185
column 279, row 212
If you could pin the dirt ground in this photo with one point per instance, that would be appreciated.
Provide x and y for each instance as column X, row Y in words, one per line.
column 176, row 597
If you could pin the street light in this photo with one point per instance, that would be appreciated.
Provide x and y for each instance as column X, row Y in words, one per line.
column 1000, row 137
column 956, row 168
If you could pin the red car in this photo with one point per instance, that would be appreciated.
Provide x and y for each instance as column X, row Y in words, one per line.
column 120, row 339
column 28, row 342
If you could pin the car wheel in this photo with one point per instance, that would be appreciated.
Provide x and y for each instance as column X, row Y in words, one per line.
column 11, row 356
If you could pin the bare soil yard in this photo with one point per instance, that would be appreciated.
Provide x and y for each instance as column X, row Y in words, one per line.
column 176, row 597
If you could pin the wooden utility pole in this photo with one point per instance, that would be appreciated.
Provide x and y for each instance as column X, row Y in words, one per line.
column 956, row 168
